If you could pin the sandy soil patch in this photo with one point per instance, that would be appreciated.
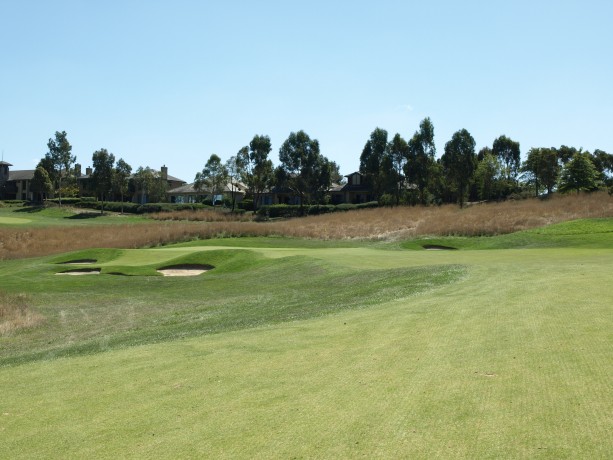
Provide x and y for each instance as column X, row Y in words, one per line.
column 92, row 271
column 80, row 262
column 184, row 270
column 436, row 247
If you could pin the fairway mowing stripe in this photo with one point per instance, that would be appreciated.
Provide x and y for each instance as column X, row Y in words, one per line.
column 511, row 361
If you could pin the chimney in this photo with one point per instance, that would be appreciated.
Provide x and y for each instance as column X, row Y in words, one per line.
column 88, row 171
column 164, row 172
column 77, row 170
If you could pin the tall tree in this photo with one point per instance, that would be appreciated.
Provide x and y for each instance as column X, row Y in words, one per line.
column 121, row 177
column 459, row 161
column 420, row 157
column 303, row 169
column 486, row 175
column 603, row 162
column 542, row 168
column 336, row 176
column 566, row 153
column 398, row 151
column 579, row 174
column 60, row 156
column 507, row 151
column 372, row 160
column 234, row 167
column 41, row 183
column 102, row 176
column 484, row 151
column 149, row 184
column 47, row 164
column 213, row 178
column 257, row 171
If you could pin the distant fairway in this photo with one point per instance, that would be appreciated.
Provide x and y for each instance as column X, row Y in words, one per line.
column 13, row 220
column 287, row 349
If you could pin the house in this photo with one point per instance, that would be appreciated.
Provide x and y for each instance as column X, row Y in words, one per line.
column 168, row 182
column 15, row 185
column 355, row 191
column 135, row 194
column 188, row 194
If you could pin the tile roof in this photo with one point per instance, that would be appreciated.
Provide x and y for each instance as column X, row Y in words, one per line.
column 25, row 174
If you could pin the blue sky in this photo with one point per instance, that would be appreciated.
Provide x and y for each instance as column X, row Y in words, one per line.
column 173, row 82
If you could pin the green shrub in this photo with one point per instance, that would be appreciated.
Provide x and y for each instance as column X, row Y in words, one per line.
column 346, row 207
column 111, row 206
column 279, row 210
column 14, row 202
column 367, row 205
column 387, row 199
column 65, row 200
column 320, row 209
column 246, row 205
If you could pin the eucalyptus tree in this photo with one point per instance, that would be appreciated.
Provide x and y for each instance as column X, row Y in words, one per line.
column 486, row 176
column 234, row 167
column 603, row 162
column 102, row 176
column 303, row 168
column 397, row 151
column 60, row 157
column 420, row 158
column 542, row 168
column 147, row 182
column 459, row 162
column 566, row 153
column 257, row 168
column 508, row 152
column 121, row 178
column 372, row 161
column 213, row 178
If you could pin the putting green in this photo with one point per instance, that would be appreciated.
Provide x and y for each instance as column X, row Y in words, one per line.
column 14, row 220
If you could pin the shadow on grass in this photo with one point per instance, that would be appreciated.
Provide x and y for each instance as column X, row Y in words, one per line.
column 31, row 209
column 438, row 247
column 84, row 215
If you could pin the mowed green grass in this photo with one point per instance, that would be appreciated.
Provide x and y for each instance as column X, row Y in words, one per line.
column 37, row 216
column 506, row 353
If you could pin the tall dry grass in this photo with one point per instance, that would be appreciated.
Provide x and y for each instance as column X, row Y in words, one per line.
column 203, row 215
column 15, row 313
column 380, row 223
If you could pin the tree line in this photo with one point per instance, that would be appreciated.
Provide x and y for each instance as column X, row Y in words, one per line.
column 56, row 174
column 408, row 172
column 396, row 171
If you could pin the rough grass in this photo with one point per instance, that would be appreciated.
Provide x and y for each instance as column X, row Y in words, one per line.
column 15, row 314
column 369, row 224
column 247, row 288
column 512, row 360
column 586, row 233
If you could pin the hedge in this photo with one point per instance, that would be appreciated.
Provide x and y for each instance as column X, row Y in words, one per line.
column 135, row 208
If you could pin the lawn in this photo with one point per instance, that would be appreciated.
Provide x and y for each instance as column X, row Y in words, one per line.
column 38, row 216
column 301, row 349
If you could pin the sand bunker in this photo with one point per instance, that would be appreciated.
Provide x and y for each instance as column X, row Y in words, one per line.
column 436, row 247
column 80, row 262
column 87, row 271
column 184, row 270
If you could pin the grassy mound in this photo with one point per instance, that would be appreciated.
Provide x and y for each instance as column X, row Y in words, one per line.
column 296, row 349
